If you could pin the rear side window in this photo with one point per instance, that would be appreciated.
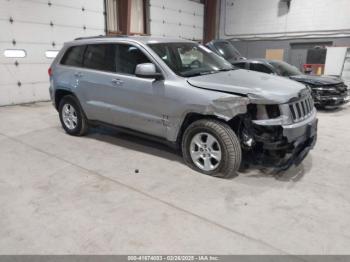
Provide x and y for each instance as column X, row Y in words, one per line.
column 73, row 56
column 128, row 57
column 260, row 68
column 100, row 57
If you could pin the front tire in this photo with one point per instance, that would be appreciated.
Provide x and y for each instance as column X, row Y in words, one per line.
column 72, row 117
column 212, row 148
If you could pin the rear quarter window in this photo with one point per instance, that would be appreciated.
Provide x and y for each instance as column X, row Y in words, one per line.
column 73, row 56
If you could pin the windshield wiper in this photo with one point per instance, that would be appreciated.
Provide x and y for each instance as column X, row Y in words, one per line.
column 199, row 73
column 227, row 69
column 208, row 72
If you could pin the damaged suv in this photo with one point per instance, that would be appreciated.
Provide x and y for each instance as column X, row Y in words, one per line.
column 180, row 92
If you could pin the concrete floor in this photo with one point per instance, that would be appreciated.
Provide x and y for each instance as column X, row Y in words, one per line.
column 81, row 195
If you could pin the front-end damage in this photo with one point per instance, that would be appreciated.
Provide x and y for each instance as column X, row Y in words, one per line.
column 274, row 117
column 277, row 135
column 274, row 131
column 227, row 107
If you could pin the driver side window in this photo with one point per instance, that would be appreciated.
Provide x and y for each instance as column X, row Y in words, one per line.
column 128, row 57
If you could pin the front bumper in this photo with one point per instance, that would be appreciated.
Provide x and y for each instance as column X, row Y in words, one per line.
column 331, row 100
column 280, row 147
column 301, row 147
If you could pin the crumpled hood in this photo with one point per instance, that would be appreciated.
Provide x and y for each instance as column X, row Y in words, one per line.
column 264, row 88
column 317, row 80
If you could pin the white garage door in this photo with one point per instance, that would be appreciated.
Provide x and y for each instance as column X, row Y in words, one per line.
column 36, row 29
column 180, row 19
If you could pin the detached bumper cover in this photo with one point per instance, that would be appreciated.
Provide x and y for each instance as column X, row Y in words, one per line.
column 281, row 147
column 302, row 146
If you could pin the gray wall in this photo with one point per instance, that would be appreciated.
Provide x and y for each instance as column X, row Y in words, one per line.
column 257, row 48
column 257, row 25
column 274, row 18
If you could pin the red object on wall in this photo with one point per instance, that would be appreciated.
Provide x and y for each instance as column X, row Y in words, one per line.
column 314, row 69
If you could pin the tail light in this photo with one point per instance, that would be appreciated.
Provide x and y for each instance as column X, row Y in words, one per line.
column 50, row 71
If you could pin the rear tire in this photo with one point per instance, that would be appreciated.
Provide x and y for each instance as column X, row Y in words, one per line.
column 212, row 148
column 72, row 117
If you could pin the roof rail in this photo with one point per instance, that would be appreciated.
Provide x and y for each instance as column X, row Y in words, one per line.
column 99, row 36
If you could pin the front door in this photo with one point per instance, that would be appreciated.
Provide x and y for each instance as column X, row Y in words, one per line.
column 114, row 95
column 138, row 100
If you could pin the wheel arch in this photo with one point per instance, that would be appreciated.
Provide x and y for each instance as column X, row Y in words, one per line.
column 60, row 93
column 191, row 117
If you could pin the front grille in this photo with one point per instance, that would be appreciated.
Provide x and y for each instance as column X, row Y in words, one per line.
column 302, row 108
column 341, row 86
column 333, row 90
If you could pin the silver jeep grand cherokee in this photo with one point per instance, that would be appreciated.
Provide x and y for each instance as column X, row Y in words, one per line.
column 222, row 118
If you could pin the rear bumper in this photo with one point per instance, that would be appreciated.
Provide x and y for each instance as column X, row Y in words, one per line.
column 52, row 94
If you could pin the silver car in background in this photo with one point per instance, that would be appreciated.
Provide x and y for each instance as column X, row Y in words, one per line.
column 220, row 117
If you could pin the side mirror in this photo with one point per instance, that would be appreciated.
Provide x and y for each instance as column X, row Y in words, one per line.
column 147, row 70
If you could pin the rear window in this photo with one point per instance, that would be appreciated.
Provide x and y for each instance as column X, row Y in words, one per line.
column 73, row 56
column 100, row 57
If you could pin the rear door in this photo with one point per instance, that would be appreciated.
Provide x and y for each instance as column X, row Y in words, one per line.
column 97, row 89
column 66, row 74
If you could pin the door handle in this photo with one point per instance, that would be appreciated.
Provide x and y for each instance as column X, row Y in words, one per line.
column 78, row 74
column 117, row 81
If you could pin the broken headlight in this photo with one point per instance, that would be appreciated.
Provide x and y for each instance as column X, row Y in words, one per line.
column 269, row 115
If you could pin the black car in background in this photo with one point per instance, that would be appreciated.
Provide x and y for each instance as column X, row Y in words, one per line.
column 327, row 91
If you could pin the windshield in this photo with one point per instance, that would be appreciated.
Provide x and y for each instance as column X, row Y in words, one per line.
column 285, row 69
column 228, row 51
column 190, row 59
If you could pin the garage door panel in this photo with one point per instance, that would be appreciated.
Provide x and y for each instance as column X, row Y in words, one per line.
column 6, row 33
column 35, row 53
column 25, row 94
column 94, row 21
column 7, row 76
column 71, row 17
column 181, row 18
column 24, row 32
column 66, row 3
column 21, row 11
column 33, row 33
column 93, row 5
column 24, row 73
